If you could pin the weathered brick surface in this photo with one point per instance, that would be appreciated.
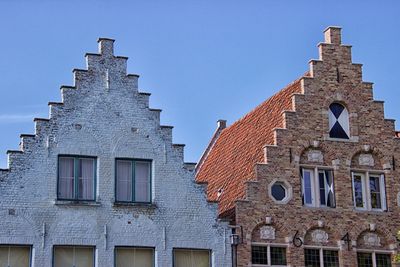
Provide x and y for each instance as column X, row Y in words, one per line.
column 104, row 115
column 332, row 78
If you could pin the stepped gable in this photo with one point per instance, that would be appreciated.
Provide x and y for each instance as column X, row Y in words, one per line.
column 104, row 79
column 230, row 162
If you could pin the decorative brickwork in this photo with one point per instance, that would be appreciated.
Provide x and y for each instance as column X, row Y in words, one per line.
column 290, row 131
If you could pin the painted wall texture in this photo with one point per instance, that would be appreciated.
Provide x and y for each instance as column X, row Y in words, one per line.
column 104, row 116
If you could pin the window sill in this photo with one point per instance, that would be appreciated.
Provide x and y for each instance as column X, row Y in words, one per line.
column 353, row 139
column 370, row 211
column 134, row 204
column 77, row 203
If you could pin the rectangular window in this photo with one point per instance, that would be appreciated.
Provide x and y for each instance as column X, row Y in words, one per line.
column 134, row 257
column 76, row 178
column 321, row 258
column 15, row 256
column 133, row 180
column 372, row 259
column 192, row 258
column 369, row 191
column 317, row 188
column 266, row 255
column 76, row 256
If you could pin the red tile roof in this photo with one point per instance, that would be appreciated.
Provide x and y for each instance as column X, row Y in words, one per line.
column 231, row 161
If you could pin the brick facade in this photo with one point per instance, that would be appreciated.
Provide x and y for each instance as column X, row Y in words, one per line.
column 105, row 116
column 279, row 141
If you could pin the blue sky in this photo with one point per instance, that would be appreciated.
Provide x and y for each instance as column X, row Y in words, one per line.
column 201, row 60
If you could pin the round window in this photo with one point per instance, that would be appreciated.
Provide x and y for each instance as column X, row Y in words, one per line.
column 278, row 191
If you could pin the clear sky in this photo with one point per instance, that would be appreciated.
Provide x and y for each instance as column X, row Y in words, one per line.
column 201, row 60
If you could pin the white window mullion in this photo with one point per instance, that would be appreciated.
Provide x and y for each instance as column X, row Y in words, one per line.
column 382, row 185
column 373, row 259
column 269, row 255
column 368, row 192
column 321, row 258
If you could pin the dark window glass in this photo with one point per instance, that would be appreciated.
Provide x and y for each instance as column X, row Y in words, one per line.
column 278, row 191
column 322, row 190
column 383, row 260
column 358, row 192
column 364, row 259
column 331, row 258
column 259, row 255
column 278, row 256
column 338, row 121
column 375, row 192
column 311, row 257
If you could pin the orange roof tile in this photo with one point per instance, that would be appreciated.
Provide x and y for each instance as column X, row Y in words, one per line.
column 231, row 161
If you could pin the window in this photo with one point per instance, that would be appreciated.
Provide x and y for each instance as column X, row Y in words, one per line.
column 369, row 191
column 134, row 257
column 318, row 188
column 266, row 255
column 278, row 191
column 192, row 258
column 76, row 178
column 372, row 259
column 133, row 180
column 318, row 257
column 15, row 256
column 67, row 256
column 338, row 121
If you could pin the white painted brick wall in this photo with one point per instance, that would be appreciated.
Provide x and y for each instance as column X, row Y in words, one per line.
column 106, row 116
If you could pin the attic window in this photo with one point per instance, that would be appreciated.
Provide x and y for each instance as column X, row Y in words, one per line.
column 338, row 121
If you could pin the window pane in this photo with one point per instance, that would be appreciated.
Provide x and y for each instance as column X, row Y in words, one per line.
column 143, row 258
column 311, row 257
column 84, row 257
column 383, row 260
column 191, row 258
column 142, row 181
column 66, row 178
column 63, row 257
column 124, row 257
column 124, row 180
column 322, row 190
column 375, row 192
column 331, row 258
column 307, row 180
column 86, row 179
column 278, row 256
column 330, row 200
column 73, row 256
column 364, row 259
column 15, row 256
column 259, row 255
column 358, row 193
column 278, row 191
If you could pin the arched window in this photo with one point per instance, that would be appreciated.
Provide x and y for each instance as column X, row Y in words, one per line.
column 338, row 121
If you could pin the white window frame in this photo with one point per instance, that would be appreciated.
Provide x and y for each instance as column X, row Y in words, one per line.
column 315, row 186
column 374, row 252
column 366, row 190
column 321, row 252
column 269, row 245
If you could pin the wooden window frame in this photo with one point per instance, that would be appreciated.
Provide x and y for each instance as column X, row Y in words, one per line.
column 374, row 252
column 76, row 159
column 315, row 186
column 9, row 246
column 74, row 246
column 134, row 247
column 191, row 249
column 366, row 190
column 321, row 252
column 269, row 245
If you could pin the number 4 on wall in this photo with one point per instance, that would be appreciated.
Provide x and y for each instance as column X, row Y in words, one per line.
column 346, row 238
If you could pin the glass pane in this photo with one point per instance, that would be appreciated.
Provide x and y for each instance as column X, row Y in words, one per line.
column 358, row 193
column 124, row 257
column 307, row 176
column 15, row 256
column 278, row 256
column 311, row 257
column 383, row 260
column 322, row 190
column 259, row 255
column 86, row 179
column 142, row 181
column 331, row 258
column 375, row 192
column 66, row 178
column 124, row 180
column 191, row 258
column 278, row 191
column 84, row 257
column 63, row 257
column 143, row 258
column 330, row 201
column 364, row 259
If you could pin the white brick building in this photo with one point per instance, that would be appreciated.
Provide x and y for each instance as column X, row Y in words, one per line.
column 100, row 182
